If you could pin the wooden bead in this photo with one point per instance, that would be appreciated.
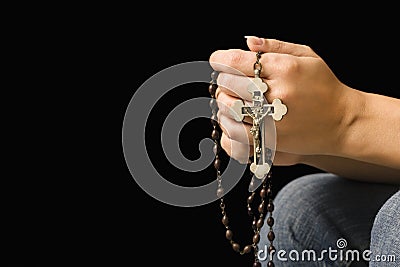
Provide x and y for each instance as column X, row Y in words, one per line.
column 216, row 148
column 214, row 119
column 263, row 193
column 225, row 220
column 269, row 192
column 229, row 234
column 270, row 207
column 247, row 249
column 217, row 163
column 250, row 212
column 213, row 104
column 250, row 199
column 257, row 264
column 212, row 88
column 214, row 75
column 270, row 264
column 220, row 192
column 215, row 134
column 260, row 223
column 236, row 247
column 261, row 207
column 270, row 249
column 270, row 221
column 271, row 235
column 254, row 224
column 256, row 238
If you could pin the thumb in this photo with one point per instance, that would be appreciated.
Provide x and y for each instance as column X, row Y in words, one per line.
column 276, row 46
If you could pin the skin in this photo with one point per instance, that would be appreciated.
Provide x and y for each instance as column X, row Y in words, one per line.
column 329, row 125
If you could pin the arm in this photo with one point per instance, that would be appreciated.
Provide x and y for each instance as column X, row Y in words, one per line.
column 344, row 167
column 354, row 169
column 372, row 129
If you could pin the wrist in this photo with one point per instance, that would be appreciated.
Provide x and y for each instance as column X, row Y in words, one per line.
column 371, row 131
column 353, row 106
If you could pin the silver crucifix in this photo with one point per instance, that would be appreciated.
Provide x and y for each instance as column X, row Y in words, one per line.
column 259, row 109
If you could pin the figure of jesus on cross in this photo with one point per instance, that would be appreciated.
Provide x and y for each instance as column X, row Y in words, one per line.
column 259, row 109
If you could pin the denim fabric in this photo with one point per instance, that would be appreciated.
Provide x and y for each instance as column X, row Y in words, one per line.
column 385, row 235
column 325, row 220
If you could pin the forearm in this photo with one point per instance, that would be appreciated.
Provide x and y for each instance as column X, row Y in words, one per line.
column 353, row 169
column 372, row 129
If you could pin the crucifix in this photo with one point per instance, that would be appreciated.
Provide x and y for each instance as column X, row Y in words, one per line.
column 259, row 109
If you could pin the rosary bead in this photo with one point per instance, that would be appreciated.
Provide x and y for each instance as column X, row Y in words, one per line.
column 256, row 238
column 261, row 207
column 251, row 185
column 270, row 207
column 254, row 224
column 215, row 134
column 214, row 75
column 225, row 220
column 216, row 148
column 270, row 221
column 250, row 212
column 217, row 163
column 212, row 88
column 257, row 264
column 271, row 235
column 247, row 249
column 213, row 104
column 214, row 119
column 260, row 223
column 220, row 192
column 250, row 199
column 270, row 249
column 269, row 192
column 229, row 234
column 236, row 247
column 270, row 264
column 263, row 193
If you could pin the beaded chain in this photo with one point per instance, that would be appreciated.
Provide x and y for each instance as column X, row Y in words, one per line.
column 265, row 193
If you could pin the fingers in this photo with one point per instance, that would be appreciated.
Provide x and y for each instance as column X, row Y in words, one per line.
column 238, row 131
column 242, row 153
column 225, row 102
column 236, row 150
column 234, row 85
column 240, row 62
column 276, row 46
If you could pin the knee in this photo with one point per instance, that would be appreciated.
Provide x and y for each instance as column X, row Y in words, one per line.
column 298, row 207
column 385, row 234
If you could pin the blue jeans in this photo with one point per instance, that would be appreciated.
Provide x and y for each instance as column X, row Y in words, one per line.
column 326, row 220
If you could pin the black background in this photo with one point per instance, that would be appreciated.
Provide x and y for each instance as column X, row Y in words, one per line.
column 73, row 200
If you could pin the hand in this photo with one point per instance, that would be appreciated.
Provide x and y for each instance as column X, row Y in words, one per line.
column 317, row 101
column 241, row 152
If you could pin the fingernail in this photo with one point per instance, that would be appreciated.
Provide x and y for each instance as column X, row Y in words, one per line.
column 256, row 40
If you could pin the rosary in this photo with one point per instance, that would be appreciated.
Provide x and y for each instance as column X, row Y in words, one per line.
column 261, row 165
